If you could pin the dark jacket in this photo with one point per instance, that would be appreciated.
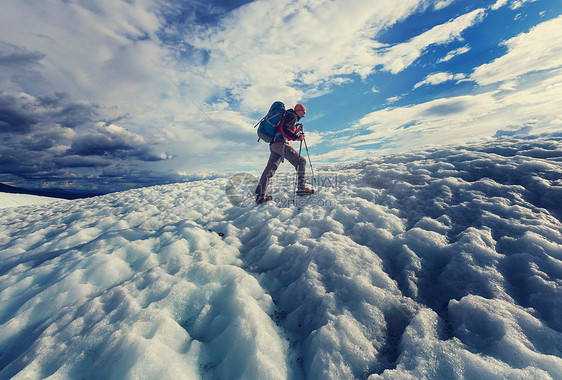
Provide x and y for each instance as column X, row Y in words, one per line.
column 287, row 129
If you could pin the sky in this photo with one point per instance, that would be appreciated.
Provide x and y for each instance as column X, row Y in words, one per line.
column 115, row 94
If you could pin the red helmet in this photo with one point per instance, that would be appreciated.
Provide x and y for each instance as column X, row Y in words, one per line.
column 300, row 107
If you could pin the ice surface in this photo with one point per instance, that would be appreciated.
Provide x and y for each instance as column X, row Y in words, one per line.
column 15, row 200
column 437, row 264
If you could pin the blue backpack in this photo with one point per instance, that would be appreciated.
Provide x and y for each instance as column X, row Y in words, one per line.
column 268, row 125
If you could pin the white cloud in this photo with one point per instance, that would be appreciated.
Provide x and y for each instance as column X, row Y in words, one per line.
column 436, row 121
column 267, row 49
column 513, row 4
column 100, row 51
column 442, row 4
column 498, row 4
column 519, row 3
column 539, row 49
column 454, row 53
column 306, row 47
column 437, row 78
column 398, row 57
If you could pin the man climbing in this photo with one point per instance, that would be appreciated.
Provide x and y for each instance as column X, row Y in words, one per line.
column 288, row 130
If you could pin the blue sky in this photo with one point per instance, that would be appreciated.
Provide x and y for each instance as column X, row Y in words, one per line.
column 115, row 94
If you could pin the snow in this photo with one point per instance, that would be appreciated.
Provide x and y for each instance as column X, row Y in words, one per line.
column 15, row 200
column 445, row 263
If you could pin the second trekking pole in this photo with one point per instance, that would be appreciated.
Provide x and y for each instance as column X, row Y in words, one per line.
column 309, row 160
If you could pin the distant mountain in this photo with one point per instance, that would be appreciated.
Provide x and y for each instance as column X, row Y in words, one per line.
column 53, row 193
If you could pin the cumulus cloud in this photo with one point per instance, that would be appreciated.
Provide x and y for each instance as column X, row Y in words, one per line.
column 40, row 129
column 14, row 117
column 52, row 138
column 20, row 112
column 114, row 141
column 98, row 51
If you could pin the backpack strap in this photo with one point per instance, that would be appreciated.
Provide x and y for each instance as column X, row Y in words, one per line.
column 280, row 125
column 279, row 129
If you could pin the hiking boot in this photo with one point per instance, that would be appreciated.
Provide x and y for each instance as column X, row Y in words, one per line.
column 261, row 198
column 305, row 191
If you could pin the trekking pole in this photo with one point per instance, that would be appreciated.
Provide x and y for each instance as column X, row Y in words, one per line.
column 309, row 160
column 298, row 169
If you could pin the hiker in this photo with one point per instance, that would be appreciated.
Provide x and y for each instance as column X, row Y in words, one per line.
column 288, row 130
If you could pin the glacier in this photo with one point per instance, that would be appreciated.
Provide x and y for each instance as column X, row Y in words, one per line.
column 437, row 264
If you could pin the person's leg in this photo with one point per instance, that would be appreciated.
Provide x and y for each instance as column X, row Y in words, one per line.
column 269, row 171
column 299, row 162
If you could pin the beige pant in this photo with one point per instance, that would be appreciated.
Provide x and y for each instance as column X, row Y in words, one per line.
column 278, row 152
